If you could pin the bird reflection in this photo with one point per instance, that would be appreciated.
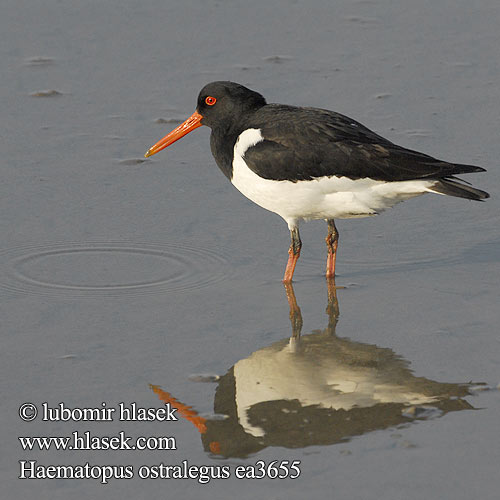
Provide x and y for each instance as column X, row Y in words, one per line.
column 316, row 389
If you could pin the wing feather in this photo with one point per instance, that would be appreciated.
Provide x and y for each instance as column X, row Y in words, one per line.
column 306, row 143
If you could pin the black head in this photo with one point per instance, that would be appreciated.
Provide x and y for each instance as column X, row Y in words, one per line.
column 222, row 103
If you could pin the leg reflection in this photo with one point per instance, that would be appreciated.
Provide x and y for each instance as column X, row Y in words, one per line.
column 295, row 314
column 332, row 310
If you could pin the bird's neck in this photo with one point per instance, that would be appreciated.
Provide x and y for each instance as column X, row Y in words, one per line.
column 222, row 141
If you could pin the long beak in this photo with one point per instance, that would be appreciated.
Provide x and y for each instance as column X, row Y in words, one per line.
column 194, row 121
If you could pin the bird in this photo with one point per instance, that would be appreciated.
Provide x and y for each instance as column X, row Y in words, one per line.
column 307, row 163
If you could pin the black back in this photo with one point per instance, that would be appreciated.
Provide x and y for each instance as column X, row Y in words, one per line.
column 305, row 143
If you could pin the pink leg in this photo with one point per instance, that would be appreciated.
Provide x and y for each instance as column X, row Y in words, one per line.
column 332, row 243
column 293, row 255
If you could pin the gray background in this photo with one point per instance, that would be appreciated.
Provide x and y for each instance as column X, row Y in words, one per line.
column 115, row 274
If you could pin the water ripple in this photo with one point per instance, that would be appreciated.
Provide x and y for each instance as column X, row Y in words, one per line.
column 109, row 268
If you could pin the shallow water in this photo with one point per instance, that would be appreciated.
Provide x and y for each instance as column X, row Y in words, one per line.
column 149, row 281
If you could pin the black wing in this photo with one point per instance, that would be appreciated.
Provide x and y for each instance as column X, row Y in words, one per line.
column 306, row 143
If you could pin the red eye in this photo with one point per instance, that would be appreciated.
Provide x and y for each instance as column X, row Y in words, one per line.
column 210, row 100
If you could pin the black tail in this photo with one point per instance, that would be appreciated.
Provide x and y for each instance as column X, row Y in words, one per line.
column 458, row 189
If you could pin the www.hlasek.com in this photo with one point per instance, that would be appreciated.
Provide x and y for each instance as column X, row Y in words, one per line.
column 84, row 440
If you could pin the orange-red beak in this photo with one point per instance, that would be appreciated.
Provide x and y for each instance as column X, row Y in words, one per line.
column 194, row 121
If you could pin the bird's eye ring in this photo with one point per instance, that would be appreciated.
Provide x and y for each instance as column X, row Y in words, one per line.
column 210, row 100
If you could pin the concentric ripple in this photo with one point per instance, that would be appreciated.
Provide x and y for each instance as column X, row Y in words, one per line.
column 91, row 269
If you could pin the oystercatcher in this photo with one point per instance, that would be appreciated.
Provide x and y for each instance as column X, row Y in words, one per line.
column 308, row 163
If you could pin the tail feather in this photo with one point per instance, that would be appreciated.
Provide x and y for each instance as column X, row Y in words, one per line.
column 453, row 188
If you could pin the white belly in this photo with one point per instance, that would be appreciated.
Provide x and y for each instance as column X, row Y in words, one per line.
column 320, row 198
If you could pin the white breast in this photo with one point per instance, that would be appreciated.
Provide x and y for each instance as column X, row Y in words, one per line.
column 321, row 198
